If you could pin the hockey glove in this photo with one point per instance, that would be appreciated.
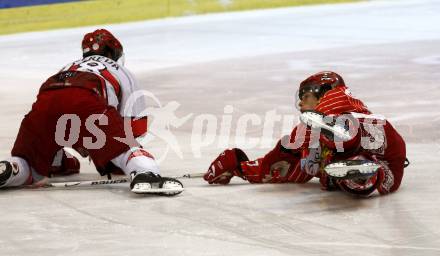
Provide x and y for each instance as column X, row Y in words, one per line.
column 225, row 166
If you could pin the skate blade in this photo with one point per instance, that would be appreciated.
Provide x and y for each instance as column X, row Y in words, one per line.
column 344, row 171
column 145, row 188
column 316, row 121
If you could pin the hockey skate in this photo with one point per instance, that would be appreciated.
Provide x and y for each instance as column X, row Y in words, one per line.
column 151, row 183
column 5, row 172
column 351, row 169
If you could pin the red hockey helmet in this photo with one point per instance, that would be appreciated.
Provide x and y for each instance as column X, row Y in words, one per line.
column 101, row 42
column 320, row 83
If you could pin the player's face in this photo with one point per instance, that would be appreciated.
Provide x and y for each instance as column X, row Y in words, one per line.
column 308, row 102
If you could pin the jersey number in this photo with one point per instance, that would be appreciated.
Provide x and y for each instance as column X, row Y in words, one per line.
column 91, row 66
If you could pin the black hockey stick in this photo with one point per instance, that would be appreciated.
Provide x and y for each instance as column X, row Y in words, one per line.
column 92, row 183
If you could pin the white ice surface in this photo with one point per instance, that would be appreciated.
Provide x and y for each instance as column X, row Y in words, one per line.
column 388, row 53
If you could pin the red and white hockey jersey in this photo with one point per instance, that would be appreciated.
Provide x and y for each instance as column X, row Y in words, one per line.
column 301, row 164
column 119, row 88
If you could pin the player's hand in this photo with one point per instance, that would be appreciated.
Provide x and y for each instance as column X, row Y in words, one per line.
column 225, row 166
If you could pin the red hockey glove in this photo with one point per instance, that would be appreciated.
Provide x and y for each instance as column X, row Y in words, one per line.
column 225, row 166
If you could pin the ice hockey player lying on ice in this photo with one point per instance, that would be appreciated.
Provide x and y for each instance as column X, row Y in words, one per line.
column 94, row 95
column 338, row 141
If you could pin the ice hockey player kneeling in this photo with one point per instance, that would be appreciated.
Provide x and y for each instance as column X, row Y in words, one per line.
column 89, row 98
